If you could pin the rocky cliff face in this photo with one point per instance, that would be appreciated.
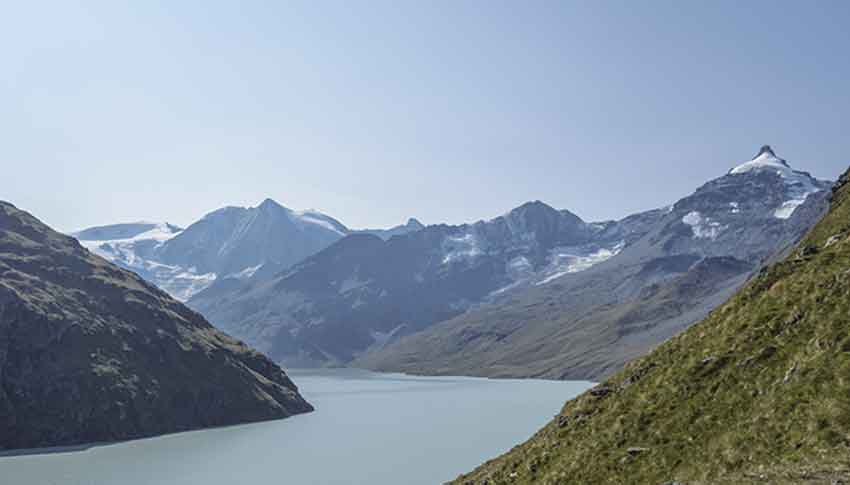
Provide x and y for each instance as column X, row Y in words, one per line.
column 755, row 393
column 90, row 352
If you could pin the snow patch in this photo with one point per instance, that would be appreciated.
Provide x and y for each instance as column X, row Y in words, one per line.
column 160, row 233
column 565, row 263
column 799, row 191
column 179, row 282
column 519, row 271
column 519, row 268
column 459, row 248
column 352, row 283
column 246, row 273
column 317, row 219
column 505, row 288
column 702, row 227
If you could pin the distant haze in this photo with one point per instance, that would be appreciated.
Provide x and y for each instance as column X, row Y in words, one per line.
column 377, row 111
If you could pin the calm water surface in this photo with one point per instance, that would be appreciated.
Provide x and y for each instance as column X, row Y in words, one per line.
column 368, row 428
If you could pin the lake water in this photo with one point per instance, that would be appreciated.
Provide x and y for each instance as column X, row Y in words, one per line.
column 367, row 429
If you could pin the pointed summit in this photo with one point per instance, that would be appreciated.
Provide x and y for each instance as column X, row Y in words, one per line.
column 766, row 158
column 765, row 149
column 535, row 206
column 799, row 185
column 270, row 204
column 766, row 153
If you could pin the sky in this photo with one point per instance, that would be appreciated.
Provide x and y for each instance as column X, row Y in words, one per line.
column 376, row 111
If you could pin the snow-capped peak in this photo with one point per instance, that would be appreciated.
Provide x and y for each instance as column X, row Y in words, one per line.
column 767, row 154
column 766, row 159
column 270, row 205
column 800, row 184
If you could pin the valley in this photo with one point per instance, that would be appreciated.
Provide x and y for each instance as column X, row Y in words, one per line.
column 537, row 292
column 417, row 243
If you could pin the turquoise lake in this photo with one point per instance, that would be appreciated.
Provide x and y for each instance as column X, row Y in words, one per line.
column 368, row 428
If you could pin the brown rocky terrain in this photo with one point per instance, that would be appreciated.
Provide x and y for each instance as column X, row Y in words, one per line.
column 90, row 352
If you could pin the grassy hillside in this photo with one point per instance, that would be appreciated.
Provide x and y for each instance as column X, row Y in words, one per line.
column 758, row 392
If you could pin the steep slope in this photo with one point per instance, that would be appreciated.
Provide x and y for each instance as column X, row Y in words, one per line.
column 755, row 393
column 587, row 325
column 364, row 291
column 90, row 352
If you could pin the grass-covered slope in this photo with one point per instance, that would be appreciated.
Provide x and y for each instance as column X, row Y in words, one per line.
column 758, row 392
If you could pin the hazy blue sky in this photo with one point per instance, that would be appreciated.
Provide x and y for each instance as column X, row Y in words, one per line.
column 375, row 111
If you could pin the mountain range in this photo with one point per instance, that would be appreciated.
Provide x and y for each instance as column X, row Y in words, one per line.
column 535, row 292
column 90, row 352
column 755, row 393
column 587, row 325
column 363, row 290
column 230, row 242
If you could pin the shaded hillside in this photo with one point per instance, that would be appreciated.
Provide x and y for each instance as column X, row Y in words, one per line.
column 90, row 352
column 755, row 393
column 575, row 335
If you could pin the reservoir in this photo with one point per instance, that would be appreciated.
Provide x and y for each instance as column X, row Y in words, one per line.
column 368, row 428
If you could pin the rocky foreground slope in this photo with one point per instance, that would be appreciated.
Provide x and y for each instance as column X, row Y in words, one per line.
column 90, row 352
column 755, row 393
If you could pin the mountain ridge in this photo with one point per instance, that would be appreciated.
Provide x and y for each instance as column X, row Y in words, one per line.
column 573, row 325
column 398, row 285
column 229, row 242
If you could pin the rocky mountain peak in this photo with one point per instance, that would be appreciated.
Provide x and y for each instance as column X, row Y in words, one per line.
column 765, row 159
column 765, row 149
column 766, row 153
column 533, row 209
column 414, row 223
column 270, row 204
